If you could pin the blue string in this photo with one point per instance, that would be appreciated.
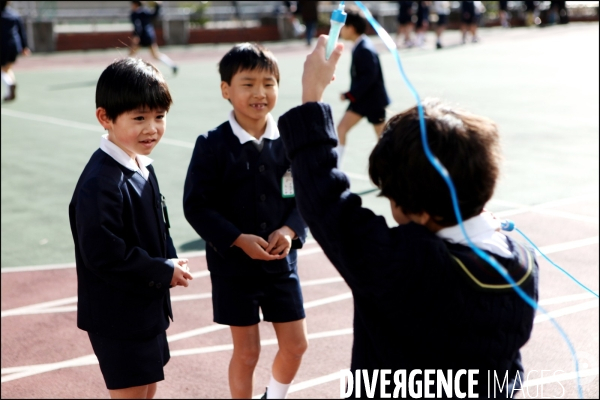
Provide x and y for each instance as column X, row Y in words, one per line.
column 556, row 265
column 391, row 45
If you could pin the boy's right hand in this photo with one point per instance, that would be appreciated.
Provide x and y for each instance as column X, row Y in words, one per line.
column 181, row 275
column 254, row 246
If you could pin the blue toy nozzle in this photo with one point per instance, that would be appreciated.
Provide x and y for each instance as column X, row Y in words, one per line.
column 338, row 19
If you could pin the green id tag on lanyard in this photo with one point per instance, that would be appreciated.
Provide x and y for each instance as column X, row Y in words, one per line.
column 287, row 184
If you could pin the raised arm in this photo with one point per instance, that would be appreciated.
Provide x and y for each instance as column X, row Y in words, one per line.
column 350, row 235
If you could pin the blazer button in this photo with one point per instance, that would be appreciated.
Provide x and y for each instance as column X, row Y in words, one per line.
column 263, row 197
column 261, row 168
column 151, row 283
column 158, row 285
column 263, row 226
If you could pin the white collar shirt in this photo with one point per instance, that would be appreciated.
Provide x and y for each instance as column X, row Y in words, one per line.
column 358, row 40
column 123, row 158
column 483, row 232
column 271, row 131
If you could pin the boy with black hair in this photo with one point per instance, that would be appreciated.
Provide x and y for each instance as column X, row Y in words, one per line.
column 367, row 94
column 125, row 258
column 422, row 298
column 239, row 197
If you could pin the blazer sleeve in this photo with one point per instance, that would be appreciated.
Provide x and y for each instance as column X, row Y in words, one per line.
column 100, row 228
column 352, row 237
column 295, row 221
column 366, row 68
column 201, row 196
column 22, row 32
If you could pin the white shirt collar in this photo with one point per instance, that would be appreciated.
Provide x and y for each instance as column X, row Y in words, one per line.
column 271, row 131
column 358, row 40
column 123, row 158
column 483, row 232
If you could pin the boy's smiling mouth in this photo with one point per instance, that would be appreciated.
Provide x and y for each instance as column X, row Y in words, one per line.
column 259, row 106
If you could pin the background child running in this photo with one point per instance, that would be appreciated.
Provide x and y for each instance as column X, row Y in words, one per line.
column 125, row 257
column 367, row 94
column 239, row 197
column 143, row 32
column 422, row 298
column 13, row 41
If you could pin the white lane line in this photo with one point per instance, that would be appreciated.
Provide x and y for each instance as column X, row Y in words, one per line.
column 13, row 373
column 566, row 311
column 565, row 299
column 327, row 300
column 51, row 306
column 24, row 371
column 191, row 254
column 555, row 248
column 37, row 268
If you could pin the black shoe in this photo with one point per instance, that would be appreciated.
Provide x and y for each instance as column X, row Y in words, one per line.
column 264, row 396
column 175, row 70
column 438, row 45
column 11, row 95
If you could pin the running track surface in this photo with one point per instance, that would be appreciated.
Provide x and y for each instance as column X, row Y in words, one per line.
column 45, row 355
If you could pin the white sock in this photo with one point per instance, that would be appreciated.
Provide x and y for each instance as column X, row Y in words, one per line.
column 340, row 153
column 164, row 58
column 7, row 79
column 277, row 390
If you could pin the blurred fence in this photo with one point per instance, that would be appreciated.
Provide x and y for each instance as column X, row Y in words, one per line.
column 78, row 25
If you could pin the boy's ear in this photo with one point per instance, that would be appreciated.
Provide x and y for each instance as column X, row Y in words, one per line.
column 225, row 90
column 103, row 118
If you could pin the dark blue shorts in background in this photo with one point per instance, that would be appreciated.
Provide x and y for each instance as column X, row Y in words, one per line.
column 375, row 115
column 236, row 300
column 131, row 362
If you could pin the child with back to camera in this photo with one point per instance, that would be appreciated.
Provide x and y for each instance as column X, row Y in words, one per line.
column 422, row 298
column 239, row 197
column 367, row 95
column 125, row 258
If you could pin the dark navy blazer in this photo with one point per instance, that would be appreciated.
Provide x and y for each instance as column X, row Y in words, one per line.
column 233, row 188
column 12, row 35
column 367, row 90
column 415, row 304
column 122, row 250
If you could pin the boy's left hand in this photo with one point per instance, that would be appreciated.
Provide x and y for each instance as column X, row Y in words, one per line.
column 280, row 241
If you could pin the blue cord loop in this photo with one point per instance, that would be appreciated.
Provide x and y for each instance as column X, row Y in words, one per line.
column 391, row 45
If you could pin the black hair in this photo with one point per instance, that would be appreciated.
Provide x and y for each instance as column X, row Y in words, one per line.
column 3, row 5
column 466, row 144
column 356, row 19
column 131, row 83
column 249, row 57
column 137, row 3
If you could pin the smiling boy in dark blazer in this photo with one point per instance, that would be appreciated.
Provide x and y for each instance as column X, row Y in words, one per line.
column 125, row 258
column 239, row 197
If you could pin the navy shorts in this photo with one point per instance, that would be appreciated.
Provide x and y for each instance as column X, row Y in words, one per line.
column 236, row 300
column 131, row 362
column 442, row 19
column 374, row 115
